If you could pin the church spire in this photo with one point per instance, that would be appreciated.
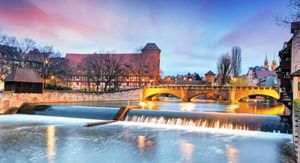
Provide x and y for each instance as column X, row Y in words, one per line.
column 274, row 64
column 266, row 63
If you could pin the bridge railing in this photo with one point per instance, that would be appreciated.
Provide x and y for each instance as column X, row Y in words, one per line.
column 212, row 87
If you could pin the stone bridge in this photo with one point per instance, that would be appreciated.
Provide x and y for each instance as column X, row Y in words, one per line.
column 188, row 92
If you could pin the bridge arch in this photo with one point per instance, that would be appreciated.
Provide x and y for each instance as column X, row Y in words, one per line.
column 158, row 94
column 148, row 94
column 266, row 94
column 186, row 93
column 209, row 95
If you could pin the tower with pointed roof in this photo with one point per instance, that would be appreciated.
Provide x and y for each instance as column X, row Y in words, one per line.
column 266, row 63
column 274, row 64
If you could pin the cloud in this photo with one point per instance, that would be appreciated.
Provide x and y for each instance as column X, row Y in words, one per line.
column 191, row 34
column 26, row 17
column 247, row 31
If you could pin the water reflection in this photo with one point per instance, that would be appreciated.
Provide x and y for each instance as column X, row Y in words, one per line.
column 186, row 106
column 143, row 143
column 171, row 103
column 260, row 108
column 232, row 154
column 51, row 144
column 74, row 143
column 268, row 108
column 186, row 150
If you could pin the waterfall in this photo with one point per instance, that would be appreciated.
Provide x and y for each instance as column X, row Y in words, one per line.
column 233, row 121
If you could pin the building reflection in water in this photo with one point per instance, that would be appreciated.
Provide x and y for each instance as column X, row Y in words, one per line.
column 256, row 108
column 186, row 150
column 232, row 154
column 150, row 105
column 187, row 106
column 51, row 144
column 269, row 108
column 143, row 143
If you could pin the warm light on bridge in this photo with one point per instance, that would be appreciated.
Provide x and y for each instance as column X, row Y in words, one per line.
column 228, row 93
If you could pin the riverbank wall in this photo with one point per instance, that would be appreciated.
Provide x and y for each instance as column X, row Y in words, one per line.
column 9, row 101
column 296, row 128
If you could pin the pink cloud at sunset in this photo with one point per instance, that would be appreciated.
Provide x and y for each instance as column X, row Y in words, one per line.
column 188, row 31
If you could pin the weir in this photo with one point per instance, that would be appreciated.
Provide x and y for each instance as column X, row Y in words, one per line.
column 211, row 120
column 265, row 123
column 100, row 113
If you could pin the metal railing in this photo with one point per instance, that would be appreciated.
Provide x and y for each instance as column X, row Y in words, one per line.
column 212, row 87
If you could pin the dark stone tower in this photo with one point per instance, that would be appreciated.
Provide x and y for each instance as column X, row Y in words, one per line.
column 152, row 53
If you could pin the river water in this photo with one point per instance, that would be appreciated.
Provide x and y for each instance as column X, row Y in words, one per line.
column 38, row 138
column 252, row 107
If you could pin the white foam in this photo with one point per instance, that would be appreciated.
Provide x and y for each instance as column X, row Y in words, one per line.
column 81, row 121
column 268, row 135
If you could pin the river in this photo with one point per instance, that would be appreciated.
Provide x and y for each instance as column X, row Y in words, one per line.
column 38, row 138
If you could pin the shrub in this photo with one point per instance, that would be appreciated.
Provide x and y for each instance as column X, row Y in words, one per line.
column 57, row 87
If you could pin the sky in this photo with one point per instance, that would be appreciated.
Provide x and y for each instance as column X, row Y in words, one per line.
column 191, row 34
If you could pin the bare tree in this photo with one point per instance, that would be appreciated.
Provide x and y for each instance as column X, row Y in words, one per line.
column 236, row 61
column 103, row 68
column 8, row 56
column 53, row 64
column 119, row 80
column 4, row 64
column 14, row 53
column 224, row 69
column 93, row 69
column 141, row 67
column 8, row 40
column 88, row 71
column 293, row 16
column 26, row 45
column 112, row 69
column 2, row 38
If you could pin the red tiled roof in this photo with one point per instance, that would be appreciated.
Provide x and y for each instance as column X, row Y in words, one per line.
column 76, row 59
column 128, row 60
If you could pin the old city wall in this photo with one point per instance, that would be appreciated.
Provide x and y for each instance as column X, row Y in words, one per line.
column 11, row 101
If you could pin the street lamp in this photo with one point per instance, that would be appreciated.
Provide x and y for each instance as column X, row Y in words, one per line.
column 53, row 81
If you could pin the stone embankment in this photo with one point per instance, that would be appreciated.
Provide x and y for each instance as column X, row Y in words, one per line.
column 10, row 101
column 296, row 128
